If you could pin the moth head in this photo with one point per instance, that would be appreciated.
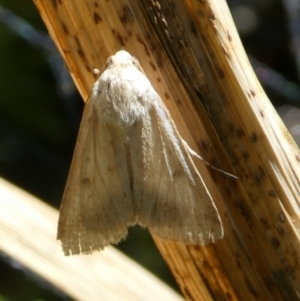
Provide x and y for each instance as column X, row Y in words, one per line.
column 124, row 59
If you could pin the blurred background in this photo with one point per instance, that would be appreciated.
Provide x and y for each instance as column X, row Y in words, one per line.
column 40, row 111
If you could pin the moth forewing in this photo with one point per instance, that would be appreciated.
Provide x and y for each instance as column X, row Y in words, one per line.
column 98, row 172
column 130, row 165
column 172, row 199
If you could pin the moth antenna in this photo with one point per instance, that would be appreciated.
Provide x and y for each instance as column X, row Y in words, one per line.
column 218, row 169
column 193, row 153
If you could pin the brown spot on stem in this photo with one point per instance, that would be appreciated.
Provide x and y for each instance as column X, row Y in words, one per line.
column 97, row 18
column 127, row 16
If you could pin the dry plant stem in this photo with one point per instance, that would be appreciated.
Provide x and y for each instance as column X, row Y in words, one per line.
column 192, row 54
column 27, row 234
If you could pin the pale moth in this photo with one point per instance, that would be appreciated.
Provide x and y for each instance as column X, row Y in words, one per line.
column 131, row 166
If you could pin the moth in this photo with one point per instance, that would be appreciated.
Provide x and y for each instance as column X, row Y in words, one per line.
column 131, row 166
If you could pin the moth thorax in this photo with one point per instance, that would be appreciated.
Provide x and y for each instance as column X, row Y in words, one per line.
column 124, row 114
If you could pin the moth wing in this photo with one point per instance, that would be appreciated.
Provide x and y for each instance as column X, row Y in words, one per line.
column 170, row 195
column 97, row 203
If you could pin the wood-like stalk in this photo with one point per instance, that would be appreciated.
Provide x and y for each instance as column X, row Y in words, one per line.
column 193, row 56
